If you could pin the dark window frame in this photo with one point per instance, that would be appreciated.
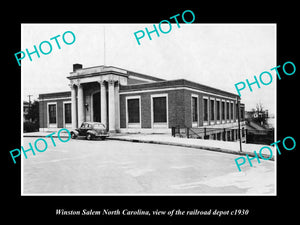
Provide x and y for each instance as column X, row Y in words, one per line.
column 212, row 110
column 223, row 110
column 218, row 110
column 194, row 109
column 52, row 113
column 227, row 110
column 231, row 110
column 68, row 112
column 205, row 109
column 159, row 110
column 133, row 115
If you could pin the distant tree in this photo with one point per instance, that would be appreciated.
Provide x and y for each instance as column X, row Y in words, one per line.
column 32, row 118
column 260, row 115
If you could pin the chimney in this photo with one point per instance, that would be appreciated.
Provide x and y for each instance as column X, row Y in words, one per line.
column 77, row 66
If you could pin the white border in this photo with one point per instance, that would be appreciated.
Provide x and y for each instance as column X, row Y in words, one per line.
column 220, row 113
column 66, row 125
column 206, row 122
column 166, row 194
column 227, row 118
column 223, row 108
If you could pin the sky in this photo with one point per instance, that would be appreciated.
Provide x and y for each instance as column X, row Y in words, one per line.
column 217, row 55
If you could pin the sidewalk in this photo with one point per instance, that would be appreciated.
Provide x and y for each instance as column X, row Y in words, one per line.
column 63, row 134
column 212, row 145
column 167, row 139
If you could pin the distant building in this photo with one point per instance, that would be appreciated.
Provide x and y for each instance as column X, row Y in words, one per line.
column 127, row 101
column 25, row 110
column 256, row 114
column 260, row 117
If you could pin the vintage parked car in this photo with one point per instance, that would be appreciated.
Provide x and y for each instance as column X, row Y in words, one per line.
column 90, row 130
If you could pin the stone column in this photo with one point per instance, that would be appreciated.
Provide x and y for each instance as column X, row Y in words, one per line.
column 117, row 108
column 80, row 105
column 103, row 104
column 111, row 105
column 74, row 108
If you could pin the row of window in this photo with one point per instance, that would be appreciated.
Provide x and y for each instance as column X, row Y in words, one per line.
column 224, row 110
column 219, row 109
column 212, row 108
column 52, row 113
column 159, row 109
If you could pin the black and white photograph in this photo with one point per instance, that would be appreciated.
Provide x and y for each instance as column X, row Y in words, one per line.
column 162, row 117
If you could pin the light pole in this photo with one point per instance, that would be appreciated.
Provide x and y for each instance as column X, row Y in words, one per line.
column 239, row 122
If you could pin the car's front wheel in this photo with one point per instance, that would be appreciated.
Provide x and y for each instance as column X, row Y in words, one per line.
column 89, row 136
column 73, row 135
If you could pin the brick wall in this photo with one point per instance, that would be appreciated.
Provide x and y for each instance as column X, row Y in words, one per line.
column 43, row 114
column 176, row 108
column 146, row 110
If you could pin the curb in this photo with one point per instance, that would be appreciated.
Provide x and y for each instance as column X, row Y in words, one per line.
column 44, row 135
column 215, row 149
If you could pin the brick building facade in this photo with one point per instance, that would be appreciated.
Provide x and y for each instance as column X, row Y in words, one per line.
column 127, row 101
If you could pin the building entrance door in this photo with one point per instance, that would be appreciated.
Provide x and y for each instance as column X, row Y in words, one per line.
column 96, row 107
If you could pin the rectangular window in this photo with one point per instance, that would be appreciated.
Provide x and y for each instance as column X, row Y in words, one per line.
column 195, row 109
column 227, row 110
column 52, row 113
column 212, row 110
column 218, row 110
column 133, row 107
column 159, row 109
column 205, row 108
column 68, row 114
column 223, row 110
column 231, row 110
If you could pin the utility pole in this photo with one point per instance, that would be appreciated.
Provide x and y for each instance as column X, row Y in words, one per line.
column 239, row 123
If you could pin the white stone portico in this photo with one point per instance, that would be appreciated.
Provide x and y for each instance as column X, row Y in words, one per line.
column 107, row 79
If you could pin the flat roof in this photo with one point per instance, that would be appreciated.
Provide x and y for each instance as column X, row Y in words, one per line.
column 101, row 70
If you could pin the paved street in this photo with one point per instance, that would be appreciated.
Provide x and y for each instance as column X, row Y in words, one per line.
column 119, row 167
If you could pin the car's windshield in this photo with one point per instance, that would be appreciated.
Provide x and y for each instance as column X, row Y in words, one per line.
column 99, row 126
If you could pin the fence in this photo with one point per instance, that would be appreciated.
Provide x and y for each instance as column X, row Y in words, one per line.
column 225, row 134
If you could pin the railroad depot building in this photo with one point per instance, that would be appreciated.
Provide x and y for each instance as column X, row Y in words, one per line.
column 127, row 101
